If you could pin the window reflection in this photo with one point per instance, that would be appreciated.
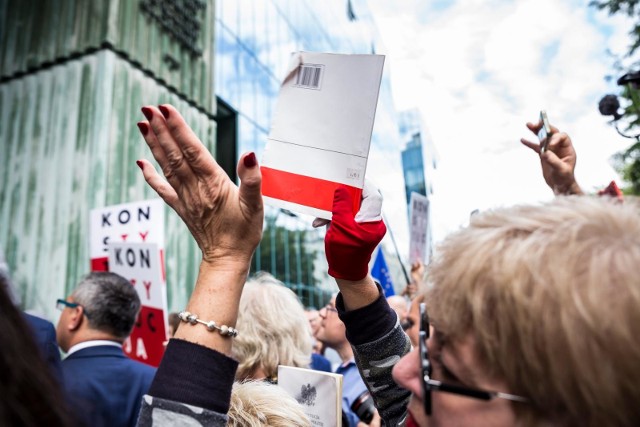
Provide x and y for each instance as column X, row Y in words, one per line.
column 254, row 41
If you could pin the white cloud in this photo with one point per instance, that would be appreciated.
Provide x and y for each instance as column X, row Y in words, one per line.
column 478, row 70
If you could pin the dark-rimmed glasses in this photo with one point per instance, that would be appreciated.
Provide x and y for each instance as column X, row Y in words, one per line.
column 61, row 304
column 327, row 308
column 429, row 385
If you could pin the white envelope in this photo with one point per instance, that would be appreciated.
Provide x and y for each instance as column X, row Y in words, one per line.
column 321, row 131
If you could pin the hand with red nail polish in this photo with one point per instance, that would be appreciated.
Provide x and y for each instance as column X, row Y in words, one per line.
column 225, row 220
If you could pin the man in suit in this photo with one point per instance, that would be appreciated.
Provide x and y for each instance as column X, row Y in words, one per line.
column 104, row 386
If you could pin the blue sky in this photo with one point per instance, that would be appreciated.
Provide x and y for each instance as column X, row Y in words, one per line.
column 478, row 70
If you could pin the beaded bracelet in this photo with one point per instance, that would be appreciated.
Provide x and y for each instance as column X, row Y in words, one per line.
column 224, row 330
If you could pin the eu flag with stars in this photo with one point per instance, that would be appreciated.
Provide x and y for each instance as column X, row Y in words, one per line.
column 380, row 272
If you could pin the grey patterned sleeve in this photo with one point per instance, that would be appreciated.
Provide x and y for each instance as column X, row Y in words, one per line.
column 375, row 361
column 157, row 412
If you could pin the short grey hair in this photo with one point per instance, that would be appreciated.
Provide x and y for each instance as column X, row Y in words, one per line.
column 110, row 302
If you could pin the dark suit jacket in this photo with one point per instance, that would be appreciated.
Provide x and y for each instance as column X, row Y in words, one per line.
column 105, row 387
column 44, row 335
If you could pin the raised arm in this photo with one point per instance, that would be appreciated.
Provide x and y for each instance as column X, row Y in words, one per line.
column 372, row 327
column 226, row 222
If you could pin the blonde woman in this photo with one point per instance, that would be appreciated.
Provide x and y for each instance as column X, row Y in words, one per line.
column 275, row 330
column 260, row 404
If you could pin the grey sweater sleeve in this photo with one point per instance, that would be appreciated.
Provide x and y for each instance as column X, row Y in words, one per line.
column 157, row 412
column 192, row 387
column 377, row 347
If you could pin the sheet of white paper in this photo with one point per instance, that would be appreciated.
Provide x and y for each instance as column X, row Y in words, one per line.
column 321, row 130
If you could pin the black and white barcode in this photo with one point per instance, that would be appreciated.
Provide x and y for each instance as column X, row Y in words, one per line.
column 309, row 76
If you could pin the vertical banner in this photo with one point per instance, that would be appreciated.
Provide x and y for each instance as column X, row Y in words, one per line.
column 141, row 264
column 136, row 222
column 419, row 228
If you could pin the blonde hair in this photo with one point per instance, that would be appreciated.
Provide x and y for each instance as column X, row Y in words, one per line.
column 260, row 404
column 551, row 294
column 274, row 329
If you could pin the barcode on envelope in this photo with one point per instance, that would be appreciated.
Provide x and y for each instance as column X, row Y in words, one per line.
column 309, row 76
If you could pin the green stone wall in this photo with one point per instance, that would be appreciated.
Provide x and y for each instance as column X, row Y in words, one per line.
column 70, row 97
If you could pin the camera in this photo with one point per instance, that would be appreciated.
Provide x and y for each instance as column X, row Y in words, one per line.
column 363, row 407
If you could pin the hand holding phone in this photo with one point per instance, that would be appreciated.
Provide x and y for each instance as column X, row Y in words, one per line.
column 544, row 134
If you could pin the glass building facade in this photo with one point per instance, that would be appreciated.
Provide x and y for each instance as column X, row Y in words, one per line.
column 253, row 43
column 418, row 160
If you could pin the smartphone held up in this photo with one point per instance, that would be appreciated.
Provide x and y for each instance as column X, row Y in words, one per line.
column 544, row 134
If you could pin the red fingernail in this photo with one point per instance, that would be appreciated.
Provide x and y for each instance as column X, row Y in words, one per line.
column 140, row 164
column 144, row 128
column 148, row 112
column 250, row 160
column 164, row 110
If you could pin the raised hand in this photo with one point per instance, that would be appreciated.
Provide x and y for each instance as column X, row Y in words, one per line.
column 226, row 221
column 349, row 244
column 558, row 161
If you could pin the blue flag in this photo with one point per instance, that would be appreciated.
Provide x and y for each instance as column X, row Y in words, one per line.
column 380, row 272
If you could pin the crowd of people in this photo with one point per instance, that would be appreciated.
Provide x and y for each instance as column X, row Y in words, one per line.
column 527, row 316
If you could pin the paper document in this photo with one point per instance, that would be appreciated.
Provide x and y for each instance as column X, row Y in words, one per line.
column 319, row 393
column 321, row 131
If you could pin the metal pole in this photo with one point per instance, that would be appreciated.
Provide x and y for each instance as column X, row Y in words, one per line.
column 404, row 270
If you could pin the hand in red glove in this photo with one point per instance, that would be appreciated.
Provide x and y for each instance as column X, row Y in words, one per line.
column 349, row 244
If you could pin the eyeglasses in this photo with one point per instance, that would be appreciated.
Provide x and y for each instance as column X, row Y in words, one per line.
column 61, row 304
column 327, row 308
column 429, row 385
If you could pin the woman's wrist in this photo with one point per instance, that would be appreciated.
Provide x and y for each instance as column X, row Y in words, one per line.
column 216, row 298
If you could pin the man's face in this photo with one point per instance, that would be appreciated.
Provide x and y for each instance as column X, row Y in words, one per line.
column 332, row 331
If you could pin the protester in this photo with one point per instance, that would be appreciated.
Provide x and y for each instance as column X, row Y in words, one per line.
column 521, row 303
column 226, row 222
column 260, row 404
column 332, row 334
column 417, row 277
column 558, row 161
column 42, row 331
column 400, row 305
column 412, row 325
column 104, row 386
column 274, row 330
column 536, row 302
column 30, row 394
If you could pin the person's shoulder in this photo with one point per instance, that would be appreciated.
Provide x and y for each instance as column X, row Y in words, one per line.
column 141, row 368
column 38, row 324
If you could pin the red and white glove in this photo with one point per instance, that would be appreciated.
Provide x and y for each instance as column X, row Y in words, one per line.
column 349, row 244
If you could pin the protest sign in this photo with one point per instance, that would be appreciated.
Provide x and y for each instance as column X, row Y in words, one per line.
column 419, row 228
column 321, row 131
column 318, row 392
column 141, row 264
column 128, row 222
